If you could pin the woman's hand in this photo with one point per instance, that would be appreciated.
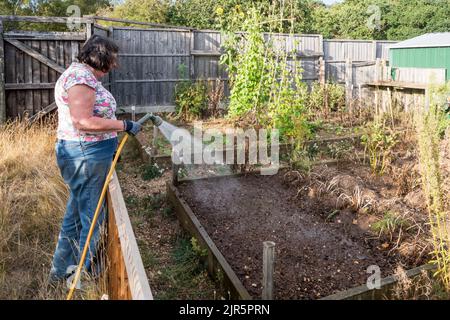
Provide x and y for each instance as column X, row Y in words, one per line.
column 132, row 127
column 81, row 105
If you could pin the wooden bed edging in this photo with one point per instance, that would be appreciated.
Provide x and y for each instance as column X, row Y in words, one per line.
column 217, row 262
column 387, row 284
column 217, row 265
column 126, row 275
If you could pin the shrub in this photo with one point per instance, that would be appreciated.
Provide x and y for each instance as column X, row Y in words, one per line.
column 379, row 142
column 325, row 99
column 190, row 97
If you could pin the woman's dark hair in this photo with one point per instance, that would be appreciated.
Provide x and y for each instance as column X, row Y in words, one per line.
column 99, row 53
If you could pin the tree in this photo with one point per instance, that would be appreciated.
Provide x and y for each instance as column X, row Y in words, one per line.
column 50, row 7
column 209, row 14
column 139, row 10
column 381, row 19
column 56, row 8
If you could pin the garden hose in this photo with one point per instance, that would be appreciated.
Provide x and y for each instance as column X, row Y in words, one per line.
column 157, row 121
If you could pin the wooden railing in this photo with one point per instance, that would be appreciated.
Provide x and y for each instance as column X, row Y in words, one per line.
column 127, row 279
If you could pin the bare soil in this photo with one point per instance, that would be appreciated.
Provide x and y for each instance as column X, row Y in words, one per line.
column 322, row 224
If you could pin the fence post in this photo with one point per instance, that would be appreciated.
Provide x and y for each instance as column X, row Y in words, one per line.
column 374, row 50
column 191, row 55
column 2, row 77
column 377, row 70
column 348, row 81
column 89, row 28
column 154, row 143
column 322, row 71
column 268, row 261
column 112, row 74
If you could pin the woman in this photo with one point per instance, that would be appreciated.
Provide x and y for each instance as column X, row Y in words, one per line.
column 87, row 140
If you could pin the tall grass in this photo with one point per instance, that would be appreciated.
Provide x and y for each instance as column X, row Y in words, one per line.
column 32, row 202
column 429, row 128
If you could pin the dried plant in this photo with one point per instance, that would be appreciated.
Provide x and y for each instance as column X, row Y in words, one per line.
column 428, row 123
column 32, row 202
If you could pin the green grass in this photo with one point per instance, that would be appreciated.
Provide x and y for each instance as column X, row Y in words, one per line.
column 185, row 274
column 149, row 259
column 389, row 224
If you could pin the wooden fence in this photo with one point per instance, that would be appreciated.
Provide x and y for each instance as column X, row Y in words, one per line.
column 378, row 85
column 150, row 59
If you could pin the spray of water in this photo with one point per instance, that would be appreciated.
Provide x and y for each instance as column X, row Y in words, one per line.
column 176, row 135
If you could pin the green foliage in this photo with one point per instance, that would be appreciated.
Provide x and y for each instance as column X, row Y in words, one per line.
column 185, row 274
column 151, row 171
column 249, row 73
column 399, row 19
column 301, row 159
column 263, row 87
column 379, row 142
column 324, row 99
column 198, row 250
column 357, row 19
column 56, row 8
column 231, row 14
column 389, row 224
column 140, row 10
column 191, row 99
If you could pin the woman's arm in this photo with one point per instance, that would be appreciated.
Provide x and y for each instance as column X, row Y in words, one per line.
column 81, row 102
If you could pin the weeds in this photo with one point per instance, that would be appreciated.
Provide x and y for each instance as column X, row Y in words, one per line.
column 324, row 100
column 190, row 97
column 151, row 171
column 185, row 274
column 32, row 202
column 428, row 122
column 389, row 223
column 379, row 143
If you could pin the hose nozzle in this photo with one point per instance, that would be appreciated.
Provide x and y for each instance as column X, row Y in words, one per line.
column 157, row 121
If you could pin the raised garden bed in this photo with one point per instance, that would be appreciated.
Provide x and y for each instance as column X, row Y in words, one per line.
column 323, row 247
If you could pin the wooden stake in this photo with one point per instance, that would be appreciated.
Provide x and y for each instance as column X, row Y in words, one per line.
column 268, row 268
column 2, row 77
column 154, row 142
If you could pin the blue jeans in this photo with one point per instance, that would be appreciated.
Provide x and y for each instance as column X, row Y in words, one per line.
column 84, row 167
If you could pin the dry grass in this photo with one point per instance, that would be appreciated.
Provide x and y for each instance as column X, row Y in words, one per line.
column 32, row 202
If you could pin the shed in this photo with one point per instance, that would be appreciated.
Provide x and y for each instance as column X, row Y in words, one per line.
column 431, row 51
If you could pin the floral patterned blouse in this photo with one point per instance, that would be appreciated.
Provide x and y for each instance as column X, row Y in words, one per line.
column 104, row 107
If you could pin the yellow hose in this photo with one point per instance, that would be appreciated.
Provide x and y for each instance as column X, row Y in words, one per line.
column 94, row 220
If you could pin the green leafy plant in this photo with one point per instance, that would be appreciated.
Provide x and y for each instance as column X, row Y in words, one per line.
column 379, row 142
column 198, row 250
column 151, row 171
column 250, row 75
column 191, row 99
column 266, row 82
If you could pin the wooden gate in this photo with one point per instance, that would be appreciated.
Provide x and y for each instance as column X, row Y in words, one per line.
column 32, row 61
